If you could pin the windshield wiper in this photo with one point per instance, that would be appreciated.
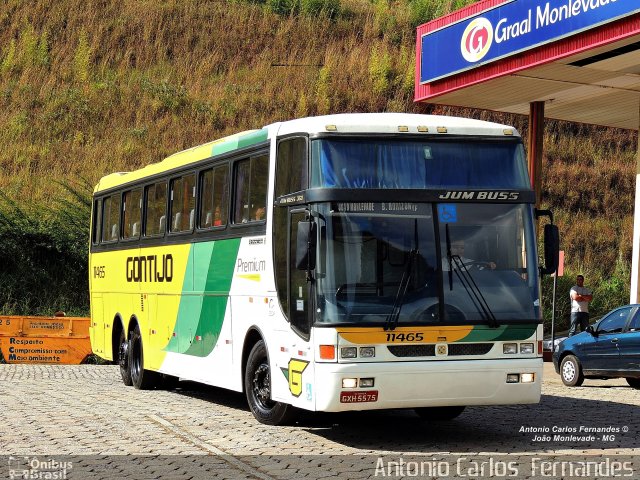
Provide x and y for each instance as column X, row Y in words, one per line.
column 469, row 284
column 392, row 319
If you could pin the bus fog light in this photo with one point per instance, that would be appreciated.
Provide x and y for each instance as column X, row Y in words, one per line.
column 526, row 348
column 510, row 348
column 366, row 382
column 349, row 382
column 367, row 352
column 527, row 377
column 513, row 377
column 348, row 352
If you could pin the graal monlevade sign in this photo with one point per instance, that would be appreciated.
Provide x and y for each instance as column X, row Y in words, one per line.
column 511, row 28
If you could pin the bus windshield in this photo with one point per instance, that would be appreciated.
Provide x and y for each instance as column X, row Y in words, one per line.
column 418, row 163
column 380, row 265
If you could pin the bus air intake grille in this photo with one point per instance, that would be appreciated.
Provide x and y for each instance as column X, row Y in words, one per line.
column 469, row 348
column 412, row 350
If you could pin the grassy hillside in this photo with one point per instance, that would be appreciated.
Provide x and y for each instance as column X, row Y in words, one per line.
column 95, row 86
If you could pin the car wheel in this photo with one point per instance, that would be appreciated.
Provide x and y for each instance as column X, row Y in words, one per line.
column 634, row 382
column 257, row 385
column 435, row 414
column 571, row 372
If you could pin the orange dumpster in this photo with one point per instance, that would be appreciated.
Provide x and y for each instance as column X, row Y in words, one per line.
column 57, row 340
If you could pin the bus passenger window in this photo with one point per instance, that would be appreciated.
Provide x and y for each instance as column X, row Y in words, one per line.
column 251, row 189
column 214, row 186
column 111, row 218
column 156, row 204
column 97, row 222
column 183, row 203
column 132, row 214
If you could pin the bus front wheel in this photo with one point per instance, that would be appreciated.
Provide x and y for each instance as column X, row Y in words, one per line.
column 141, row 379
column 257, row 385
column 435, row 414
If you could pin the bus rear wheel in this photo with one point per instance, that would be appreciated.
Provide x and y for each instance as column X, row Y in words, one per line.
column 141, row 379
column 123, row 360
column 435, row 414
column 257, row 385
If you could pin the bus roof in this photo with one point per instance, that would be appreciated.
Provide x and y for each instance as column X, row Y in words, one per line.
column 185, row 157
column 383, row 123
column 390, row 123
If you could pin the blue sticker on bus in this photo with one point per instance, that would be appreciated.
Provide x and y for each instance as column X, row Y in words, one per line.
column 448, row 213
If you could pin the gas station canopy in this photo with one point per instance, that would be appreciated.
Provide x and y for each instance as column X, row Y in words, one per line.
column 580, row 57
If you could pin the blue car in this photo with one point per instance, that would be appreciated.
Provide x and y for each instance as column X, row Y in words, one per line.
column 610, row 348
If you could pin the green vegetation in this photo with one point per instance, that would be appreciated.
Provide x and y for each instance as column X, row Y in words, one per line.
column 96, row 86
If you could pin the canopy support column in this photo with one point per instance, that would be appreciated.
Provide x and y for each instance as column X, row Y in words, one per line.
column 536, row 136
column 635, row 258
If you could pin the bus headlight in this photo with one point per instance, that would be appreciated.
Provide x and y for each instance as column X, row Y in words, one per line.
column 527, row 377
column 513, row 377
column 509, row 348
column 366, row 382
column 348, row 352
column 526, row 348
column 349, row 382
column 367, row 352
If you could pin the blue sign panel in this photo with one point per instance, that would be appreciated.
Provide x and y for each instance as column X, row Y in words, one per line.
column 511, row 28
column 448, row 212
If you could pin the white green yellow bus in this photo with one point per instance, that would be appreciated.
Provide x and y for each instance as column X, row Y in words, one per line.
column 318, row 264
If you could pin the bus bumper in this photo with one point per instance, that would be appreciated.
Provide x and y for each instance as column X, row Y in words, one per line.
column 427, row 384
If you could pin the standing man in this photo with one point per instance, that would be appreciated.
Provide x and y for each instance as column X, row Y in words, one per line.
column 580, row 298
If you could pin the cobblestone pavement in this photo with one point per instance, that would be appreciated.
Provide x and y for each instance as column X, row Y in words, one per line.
column 86, row 412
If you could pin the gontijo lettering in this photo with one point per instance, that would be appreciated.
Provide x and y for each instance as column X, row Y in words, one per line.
column 150, row 269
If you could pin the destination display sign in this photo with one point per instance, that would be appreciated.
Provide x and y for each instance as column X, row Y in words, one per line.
column 511, row 28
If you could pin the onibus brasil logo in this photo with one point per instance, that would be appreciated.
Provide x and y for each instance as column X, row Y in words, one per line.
column 476, row 39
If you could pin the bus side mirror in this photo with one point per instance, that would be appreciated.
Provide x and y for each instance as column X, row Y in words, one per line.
column 306, row 246
column 551, row 249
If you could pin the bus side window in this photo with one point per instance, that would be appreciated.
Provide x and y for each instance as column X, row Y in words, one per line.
column 155, row 214
column 97, row 222
column 251, row 189
column 214, row 187
column 183, row 203
column 132, row 214
column 111, row 218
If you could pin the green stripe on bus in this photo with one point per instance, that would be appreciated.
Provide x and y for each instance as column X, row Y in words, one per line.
column 214, row 307
column 239, row 142
column 202, row 310
column 503, row 333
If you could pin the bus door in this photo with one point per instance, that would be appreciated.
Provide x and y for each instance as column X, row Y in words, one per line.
column 296, row 359
column 97, row 324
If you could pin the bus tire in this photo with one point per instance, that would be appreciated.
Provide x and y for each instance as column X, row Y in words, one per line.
column 123, row 359
column 257, row 386
column 436, row 414
column 141, row 379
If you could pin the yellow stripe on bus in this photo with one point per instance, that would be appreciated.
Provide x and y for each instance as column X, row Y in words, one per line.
column 428, row 334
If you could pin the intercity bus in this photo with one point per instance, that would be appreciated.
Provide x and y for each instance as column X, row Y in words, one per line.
column 318, row 264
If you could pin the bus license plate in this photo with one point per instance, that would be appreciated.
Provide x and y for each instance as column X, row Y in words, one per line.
column 358, row 397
